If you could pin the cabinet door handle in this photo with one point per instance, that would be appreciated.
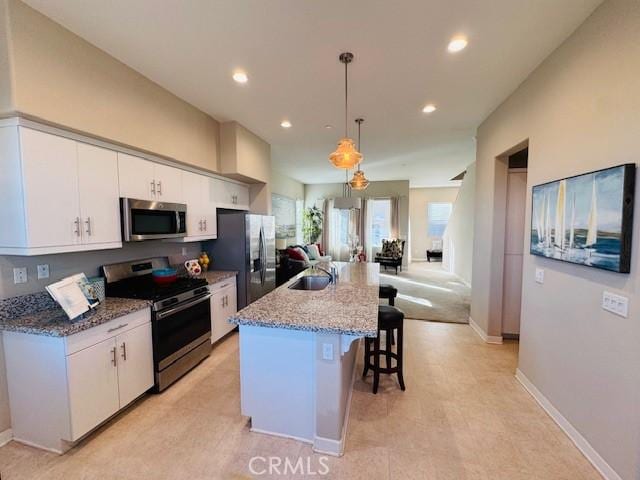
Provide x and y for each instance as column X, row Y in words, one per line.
column 159, row 188
column 122, row 325
column 153, row 187
column 200, row 223
column 114, row 359
column 205, row 224
column 77, row 224
column 124, row 351
column 88, row 222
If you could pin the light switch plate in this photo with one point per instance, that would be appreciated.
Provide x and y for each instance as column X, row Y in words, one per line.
column 20, row 275
column 539, row 275
column 327, row 351
column 43, row 271
column 616, row 304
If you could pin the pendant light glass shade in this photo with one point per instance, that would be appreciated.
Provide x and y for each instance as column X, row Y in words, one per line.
column 346, row 156
column 359, row 181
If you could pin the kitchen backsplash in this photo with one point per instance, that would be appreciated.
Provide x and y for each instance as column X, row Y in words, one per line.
column 65, row 264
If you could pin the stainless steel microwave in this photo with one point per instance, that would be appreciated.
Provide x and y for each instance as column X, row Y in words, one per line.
column 150, row 220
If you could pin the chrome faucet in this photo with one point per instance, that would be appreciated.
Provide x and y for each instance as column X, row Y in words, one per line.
column 333, row 272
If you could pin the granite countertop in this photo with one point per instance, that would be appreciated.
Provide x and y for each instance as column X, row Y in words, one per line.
column 349, row 307
column 39, row 315
column 215, row 276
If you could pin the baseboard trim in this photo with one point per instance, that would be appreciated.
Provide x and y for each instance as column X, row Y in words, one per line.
column 492, row 339
column 579, row 441
column 6, row 437
column 328, row 446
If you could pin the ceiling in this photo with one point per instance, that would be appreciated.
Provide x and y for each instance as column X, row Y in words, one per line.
column 289, row 49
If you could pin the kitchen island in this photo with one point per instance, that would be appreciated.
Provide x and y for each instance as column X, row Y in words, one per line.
column 298, row 353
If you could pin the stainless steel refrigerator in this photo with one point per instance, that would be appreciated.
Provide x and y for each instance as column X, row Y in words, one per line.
column 246, row 243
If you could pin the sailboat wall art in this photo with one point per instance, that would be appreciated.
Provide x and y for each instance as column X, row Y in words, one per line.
column 586, row 219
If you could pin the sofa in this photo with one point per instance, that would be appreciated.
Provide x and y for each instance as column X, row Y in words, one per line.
column 296, row 258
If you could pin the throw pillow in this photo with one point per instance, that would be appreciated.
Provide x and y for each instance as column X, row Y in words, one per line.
column 313, row 251
column 294, row 254
column 304, row 255
column 391, row 248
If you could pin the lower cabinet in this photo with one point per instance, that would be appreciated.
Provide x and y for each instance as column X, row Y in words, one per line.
column 223, row 306
column 85, row 378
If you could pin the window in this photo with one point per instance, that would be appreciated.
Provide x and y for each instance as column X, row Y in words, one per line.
column 437, row 218
column 380, row 221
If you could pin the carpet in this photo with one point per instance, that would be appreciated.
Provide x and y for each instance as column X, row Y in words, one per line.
column 426, row 292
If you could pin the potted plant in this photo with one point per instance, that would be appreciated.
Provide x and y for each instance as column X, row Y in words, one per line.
column 312, row 224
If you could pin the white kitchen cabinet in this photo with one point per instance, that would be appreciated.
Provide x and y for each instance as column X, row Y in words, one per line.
column 99, row 194
column 230, row 195
column 50, row 182
column 136, row 177
column 145, row 180
column 135, row 363
column 85, row 378
column 201, row 209
column 93, row 386
column 56, row 194
column 223, row 306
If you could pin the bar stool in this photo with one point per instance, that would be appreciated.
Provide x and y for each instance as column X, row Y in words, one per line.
column 390, row 319
column 389, row 292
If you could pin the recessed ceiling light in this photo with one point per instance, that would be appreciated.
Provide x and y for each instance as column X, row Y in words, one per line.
column 285, row 124
column 457, row 44
column 240, row 77
column 429, row 108
column 328, row 127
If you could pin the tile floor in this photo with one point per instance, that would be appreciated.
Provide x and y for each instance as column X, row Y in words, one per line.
column 463, row 416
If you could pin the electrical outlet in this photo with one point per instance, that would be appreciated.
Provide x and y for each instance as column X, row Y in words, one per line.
column 43, row 271
column 616, row 304
column 539, row 275
column 327, row 351
column 20, row 275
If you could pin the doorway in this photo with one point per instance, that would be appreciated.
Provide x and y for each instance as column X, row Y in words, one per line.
column 514, row 243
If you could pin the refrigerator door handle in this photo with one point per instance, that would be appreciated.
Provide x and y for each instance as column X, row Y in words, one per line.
column 260, row 253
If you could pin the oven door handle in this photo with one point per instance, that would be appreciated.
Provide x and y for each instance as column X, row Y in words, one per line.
column 184, row 306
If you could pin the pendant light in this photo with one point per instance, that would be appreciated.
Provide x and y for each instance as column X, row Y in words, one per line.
column 359, row 181
column 346, row 156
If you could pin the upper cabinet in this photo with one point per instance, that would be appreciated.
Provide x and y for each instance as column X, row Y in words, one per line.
column 243, row 155
column 229, row 194
column 145, row 180
column 56, row 194
column 201, row 208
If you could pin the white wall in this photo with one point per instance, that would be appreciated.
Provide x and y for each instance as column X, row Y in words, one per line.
column 458, row 238
column 419, row 198
column 579, row 110
column 286, row 186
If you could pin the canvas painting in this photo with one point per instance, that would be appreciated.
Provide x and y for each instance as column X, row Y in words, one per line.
column 586, row 219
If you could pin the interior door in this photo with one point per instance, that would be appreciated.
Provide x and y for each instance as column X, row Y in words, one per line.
column 135, row 363
column 50, row 171
column 135, row 177
column 93, row 386
column 513, row 252
column 99, row 194
column 168, row 183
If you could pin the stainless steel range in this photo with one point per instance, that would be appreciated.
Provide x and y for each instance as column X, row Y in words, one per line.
column 180, row 319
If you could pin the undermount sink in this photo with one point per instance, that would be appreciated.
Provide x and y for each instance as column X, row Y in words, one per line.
column 311, row 282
